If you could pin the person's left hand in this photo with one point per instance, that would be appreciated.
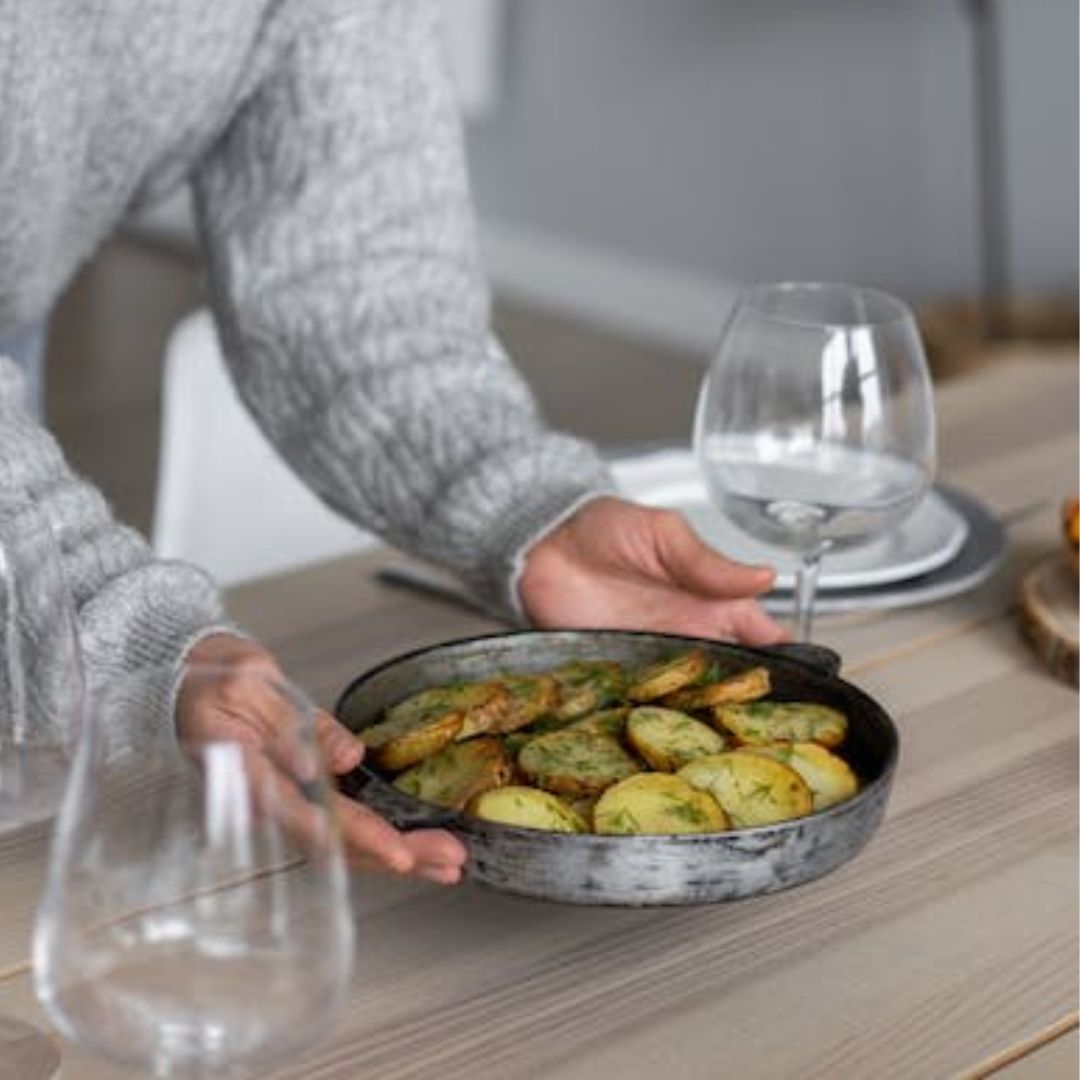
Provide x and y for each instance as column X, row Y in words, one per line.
column 616, row 565
column 207, row 710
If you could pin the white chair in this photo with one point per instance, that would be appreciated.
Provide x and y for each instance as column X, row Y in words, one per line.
column 225, row 499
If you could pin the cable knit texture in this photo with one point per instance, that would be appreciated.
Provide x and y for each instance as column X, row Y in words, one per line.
column 132, row 611
column 326, row 158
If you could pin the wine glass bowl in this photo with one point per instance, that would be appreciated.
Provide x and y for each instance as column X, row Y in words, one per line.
column 195, row 918
column 41, row 700
column 814, row 427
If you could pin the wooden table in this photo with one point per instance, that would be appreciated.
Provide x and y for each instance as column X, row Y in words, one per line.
column 948, row 947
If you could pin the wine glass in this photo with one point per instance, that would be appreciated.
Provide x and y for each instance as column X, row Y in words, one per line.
column 41, row 698
column 815, row 423
column 195, row 920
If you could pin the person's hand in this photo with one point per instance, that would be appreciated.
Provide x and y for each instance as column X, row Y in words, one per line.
column 616, row 565
column 209, row 711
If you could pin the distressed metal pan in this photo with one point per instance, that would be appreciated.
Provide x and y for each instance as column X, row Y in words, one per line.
column 636, row 870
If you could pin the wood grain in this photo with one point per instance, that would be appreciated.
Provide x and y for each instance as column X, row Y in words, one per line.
column 947, row 946
column 1049, row 615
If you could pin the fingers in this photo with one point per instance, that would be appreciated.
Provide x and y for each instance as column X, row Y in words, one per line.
column 244, row 698
column 340, row 747
column 698, row 568
column 373, row 844
column 749, row 623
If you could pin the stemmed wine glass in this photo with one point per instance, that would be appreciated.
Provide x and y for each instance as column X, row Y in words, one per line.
column 195, row 920
column 41, row 699
column 815, row 423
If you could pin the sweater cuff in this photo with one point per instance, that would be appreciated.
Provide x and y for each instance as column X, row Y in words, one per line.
column 519, row 530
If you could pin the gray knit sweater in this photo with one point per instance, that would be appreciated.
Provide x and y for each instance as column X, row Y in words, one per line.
column 325, row 155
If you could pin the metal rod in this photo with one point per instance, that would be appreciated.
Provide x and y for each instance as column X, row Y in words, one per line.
column 990, row 183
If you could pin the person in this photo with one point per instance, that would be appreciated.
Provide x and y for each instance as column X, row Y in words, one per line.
column 324, row 151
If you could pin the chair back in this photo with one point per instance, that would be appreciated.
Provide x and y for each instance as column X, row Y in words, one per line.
column 225, row 499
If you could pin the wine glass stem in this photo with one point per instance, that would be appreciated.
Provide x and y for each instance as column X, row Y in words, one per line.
column 805, row 590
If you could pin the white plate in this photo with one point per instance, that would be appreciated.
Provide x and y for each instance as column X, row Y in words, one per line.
column 983, row 552
column 928, row 538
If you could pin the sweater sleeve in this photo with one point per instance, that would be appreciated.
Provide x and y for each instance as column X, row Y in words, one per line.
column 131, row 609
column 353, row 311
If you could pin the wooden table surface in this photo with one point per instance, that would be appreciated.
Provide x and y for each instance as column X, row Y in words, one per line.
column 948, row 947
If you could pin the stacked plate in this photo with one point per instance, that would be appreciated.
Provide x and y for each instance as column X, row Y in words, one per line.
column 950, row 543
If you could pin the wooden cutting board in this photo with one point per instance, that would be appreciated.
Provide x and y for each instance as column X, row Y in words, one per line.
column 1050, row 615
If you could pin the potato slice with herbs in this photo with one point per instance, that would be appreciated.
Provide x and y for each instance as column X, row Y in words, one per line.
column 457, row 773
column 783, row 721
column 667, row 676
column 753, row 789
column 527, row 808
column 575, row 762
column 525, row 698
column 828, row 776
column 657, row 803
column 586, row 686
column 405, row 739
column 748, row 685
column 583, row 806
column 668, row 739
column 610, row 722
column 476, row 704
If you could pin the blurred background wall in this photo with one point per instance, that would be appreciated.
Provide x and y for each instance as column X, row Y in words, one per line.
column 639, row 157
column 633, row 161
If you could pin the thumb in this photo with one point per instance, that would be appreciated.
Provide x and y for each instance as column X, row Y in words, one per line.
column 340, row 746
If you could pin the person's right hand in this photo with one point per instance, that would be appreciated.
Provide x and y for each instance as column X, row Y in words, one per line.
column 221, row 709
column 616, row 565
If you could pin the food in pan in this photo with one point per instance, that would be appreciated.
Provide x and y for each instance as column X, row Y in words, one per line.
column 683, row 745
column 586, row 686
column 827, row 775
column 458, row 772
column 528, row 808
column 575, row 762
column 747, row 685
column 668, row 739
column 752, row 788
column 783, row 721
column 668, row 676
column 652, row 803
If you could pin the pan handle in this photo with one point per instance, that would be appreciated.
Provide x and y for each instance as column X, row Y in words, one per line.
column 404, row 818
column 820, row 659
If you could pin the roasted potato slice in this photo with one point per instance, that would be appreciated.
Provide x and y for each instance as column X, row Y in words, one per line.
column 583, row 806
column 457, row 773
column 667, row 676
column 783, row 721
column 668, row 739
column 402, row 741
column 455, row 697
column 575, row 762
column 605, row 722
column 426, row 721
column 657, row 803
column 527, row 808
column 586, row 686
column 828, row 776
column 524, row 698
column 748, row 685
column 753, row 789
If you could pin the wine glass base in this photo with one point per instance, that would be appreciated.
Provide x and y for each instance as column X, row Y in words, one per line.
column 26, row 1053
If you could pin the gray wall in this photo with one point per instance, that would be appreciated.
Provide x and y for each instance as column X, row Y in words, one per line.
column 755, row 139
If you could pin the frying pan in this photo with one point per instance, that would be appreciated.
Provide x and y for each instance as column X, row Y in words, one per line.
column 635, row 870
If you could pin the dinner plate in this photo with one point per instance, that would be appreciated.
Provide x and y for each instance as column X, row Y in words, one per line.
column 927, row 539
column 978, row 559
